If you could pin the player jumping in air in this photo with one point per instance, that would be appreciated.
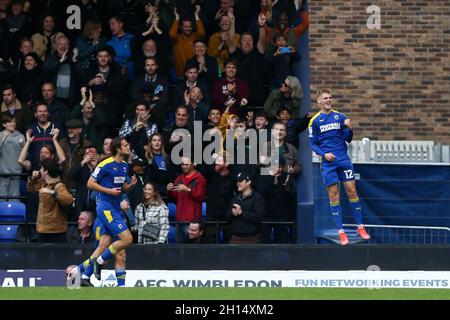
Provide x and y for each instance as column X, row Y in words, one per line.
column 108, row 179
column 329, row 131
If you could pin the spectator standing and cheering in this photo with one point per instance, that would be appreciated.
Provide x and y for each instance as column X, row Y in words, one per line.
column 11, row 142
column 278, row 188
column 223, row 42
column 121, row 42
column 207, row 65
column 138, row 130
column 88, row 44
column 93, row 119
column 251, row 61
column 13, row 107
column 183, row 43
column 219, row 193
column 245, row 212
column 157, row 86
column 158, row 162
column 73, row 146
column 188, row 191
column 153, row 211
column 54, row 198
column 44, row 42
column 329, row 132
column 230, row 91
column 80, row 173
column 43, row 131
column 59, row 68
column 59, row 112
column 105, row 80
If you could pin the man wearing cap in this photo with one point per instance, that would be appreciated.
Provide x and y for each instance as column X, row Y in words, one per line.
column 207, row 65
column 73, row 147
column 245, row 212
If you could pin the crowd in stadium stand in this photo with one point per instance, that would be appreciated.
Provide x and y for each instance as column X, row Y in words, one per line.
column 141, row 70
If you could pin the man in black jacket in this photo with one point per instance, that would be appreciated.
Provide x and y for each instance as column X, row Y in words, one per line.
column 278, row 188
column 245, row 212
column 218, row 195
column 105, row 80
column 157, row 86
column 60, row 69
column 80, row 172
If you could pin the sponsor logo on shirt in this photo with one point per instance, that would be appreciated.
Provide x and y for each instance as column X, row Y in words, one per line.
column 330, row 126
column 119, row 179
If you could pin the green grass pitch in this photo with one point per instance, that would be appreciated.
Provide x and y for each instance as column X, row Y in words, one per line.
column 61, row 293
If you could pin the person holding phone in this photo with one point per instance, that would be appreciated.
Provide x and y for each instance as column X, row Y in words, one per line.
column 281, row 58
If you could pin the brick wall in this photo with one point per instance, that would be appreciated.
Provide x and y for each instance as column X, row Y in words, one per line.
column 394, row 83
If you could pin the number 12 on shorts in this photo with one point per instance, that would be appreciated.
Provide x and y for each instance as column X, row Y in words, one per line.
column 348, row 174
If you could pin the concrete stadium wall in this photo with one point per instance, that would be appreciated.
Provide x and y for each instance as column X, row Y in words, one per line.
column 393, row 82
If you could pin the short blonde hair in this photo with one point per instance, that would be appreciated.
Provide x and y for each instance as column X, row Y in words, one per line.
column 322, row 91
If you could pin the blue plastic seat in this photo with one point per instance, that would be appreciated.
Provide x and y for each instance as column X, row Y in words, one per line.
column 203, row 209
column 8, row 233
column 172, row 235
column 172, row 210
column 10, row 211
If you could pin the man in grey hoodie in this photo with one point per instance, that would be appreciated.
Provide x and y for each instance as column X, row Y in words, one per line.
column 11, row 142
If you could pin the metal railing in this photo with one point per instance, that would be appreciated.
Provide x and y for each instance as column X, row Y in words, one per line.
column 402, row 234
column 406, row 152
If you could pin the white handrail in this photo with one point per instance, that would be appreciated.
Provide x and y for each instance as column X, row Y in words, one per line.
column 398, row 226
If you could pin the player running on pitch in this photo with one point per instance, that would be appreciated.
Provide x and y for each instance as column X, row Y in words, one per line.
column 108, row 179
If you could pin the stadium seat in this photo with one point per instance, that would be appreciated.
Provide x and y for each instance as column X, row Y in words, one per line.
column 172, row 236
column 203, row 209
column 8, row 233
column 10, row 211
column 172, row 210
